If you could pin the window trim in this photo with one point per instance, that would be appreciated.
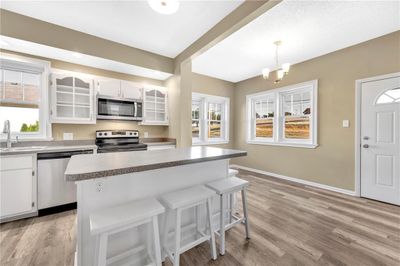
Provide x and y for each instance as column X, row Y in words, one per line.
column 204, row 100
column 21, row 62
column 278, row 139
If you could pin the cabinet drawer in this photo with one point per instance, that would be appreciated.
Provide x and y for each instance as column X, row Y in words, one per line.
column 16, row 162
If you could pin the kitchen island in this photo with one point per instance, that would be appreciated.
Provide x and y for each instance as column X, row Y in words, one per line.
column 106, row 180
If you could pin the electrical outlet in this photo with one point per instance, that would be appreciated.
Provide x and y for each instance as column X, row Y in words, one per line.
column 346, row 123
column 146, row 134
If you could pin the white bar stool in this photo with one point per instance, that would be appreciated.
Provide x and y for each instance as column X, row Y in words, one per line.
column 104, row 223
column 229, row 186
column 182, row 200
column 232, row 172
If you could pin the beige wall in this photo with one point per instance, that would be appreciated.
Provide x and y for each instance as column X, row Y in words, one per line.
column 332, row 163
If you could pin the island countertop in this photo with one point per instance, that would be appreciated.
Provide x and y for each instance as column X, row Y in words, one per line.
column 89, row 166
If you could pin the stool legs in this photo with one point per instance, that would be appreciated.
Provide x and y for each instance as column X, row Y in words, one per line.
column 210, row 224
column 245, row 213
column 222, row 226
column 177, row 236
column 157, row 248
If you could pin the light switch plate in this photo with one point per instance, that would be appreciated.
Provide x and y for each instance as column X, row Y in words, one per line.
column 346, row 123
column 146, row 134
column 68, row 136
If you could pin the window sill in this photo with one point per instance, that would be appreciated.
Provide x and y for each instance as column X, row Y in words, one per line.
column 283, row 144
column 210, row 143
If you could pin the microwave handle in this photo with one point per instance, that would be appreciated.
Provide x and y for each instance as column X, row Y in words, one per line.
column 135, row 109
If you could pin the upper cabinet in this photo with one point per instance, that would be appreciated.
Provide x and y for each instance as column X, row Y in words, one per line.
column 119, row 89
column 72, row 99
column 108, row 87
column 155, row 106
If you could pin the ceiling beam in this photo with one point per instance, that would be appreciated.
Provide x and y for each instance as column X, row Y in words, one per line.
column 30, row 29
column 241, row 16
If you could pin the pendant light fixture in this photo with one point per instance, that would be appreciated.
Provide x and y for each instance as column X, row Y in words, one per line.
column 281, row 71
column 166, row 7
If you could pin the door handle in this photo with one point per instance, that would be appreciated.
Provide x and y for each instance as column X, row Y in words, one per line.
column 365, row 146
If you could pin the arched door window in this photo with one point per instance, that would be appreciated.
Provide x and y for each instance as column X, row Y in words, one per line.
column 389, row 96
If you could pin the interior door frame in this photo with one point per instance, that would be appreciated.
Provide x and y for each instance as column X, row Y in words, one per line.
column 357, row 167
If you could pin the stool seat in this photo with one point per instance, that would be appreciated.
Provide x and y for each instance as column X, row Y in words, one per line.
column 123, row 215
column 227, row 185
column 232, row 172
column 186, row 197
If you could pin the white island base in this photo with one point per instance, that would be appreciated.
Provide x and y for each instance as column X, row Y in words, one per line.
column 99, row 193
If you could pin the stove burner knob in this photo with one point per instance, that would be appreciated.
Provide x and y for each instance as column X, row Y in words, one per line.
column 100, row 134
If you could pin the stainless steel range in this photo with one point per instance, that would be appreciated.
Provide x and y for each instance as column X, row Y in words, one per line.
column 118, row 141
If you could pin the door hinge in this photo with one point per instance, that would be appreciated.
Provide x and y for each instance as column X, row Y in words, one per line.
column 33, row 173
column 33, row 204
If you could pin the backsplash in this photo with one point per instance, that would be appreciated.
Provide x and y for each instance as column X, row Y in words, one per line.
column 84, row 132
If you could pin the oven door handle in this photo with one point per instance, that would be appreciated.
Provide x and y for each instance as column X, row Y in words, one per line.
column 135, row 109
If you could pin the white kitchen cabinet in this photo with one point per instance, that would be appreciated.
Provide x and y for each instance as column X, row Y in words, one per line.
column 131, row 90
column 72, row 99
column 155, row 103
column 119, row 89
column 18, row 186
column 109, row 87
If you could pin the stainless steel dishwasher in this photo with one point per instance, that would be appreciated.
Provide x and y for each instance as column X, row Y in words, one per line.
column 54, row 192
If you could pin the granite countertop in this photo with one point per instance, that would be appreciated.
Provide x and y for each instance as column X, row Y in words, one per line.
column 89, row 166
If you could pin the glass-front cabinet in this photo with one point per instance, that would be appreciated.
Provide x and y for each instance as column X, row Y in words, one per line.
column 72, row 99
column 155, row 106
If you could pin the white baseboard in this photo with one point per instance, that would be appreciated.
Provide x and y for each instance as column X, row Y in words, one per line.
column 297, row 180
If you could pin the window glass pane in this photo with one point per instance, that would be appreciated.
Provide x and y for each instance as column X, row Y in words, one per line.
column 21, row 119
column 214, row 111
column 31, row 83
column 296, row 104
column 264, row 128
column 195, row 110
column 214, row 129
column 13, row 85
column 297, row 127
column 195, row 128
column 389, row 96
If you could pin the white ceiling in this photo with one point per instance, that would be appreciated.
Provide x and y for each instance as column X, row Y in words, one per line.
column 308, row 29
column 132, row 23
column 21, row 46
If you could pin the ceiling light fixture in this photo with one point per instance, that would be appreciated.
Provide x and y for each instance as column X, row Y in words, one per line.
column 166, row 7
column 281, row 71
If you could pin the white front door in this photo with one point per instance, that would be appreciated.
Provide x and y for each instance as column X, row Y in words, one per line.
column 380, row 140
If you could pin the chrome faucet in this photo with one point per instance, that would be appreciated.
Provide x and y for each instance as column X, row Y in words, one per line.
column 7, row 130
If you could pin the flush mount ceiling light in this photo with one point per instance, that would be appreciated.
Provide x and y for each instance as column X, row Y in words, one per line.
column 281, row 71
column 166, row 7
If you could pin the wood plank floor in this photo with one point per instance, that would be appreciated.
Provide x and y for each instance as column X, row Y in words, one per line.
column 291, row 224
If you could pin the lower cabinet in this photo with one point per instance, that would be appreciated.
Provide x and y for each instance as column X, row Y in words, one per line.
column 18, row 184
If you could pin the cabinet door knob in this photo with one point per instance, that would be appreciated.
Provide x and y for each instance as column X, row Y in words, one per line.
column 365, row 138
column 365, row 146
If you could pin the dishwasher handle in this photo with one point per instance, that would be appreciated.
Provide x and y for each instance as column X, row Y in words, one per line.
column 61, row 155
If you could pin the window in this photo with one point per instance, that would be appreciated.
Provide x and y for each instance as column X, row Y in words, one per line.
column 210, row 116
column 23, row 97
column 285, row 116
column 389, row 96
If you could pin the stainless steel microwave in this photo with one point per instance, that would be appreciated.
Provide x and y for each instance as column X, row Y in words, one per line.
column 119, row 108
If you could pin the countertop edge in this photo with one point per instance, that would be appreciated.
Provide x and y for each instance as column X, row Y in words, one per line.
column 122, row 171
